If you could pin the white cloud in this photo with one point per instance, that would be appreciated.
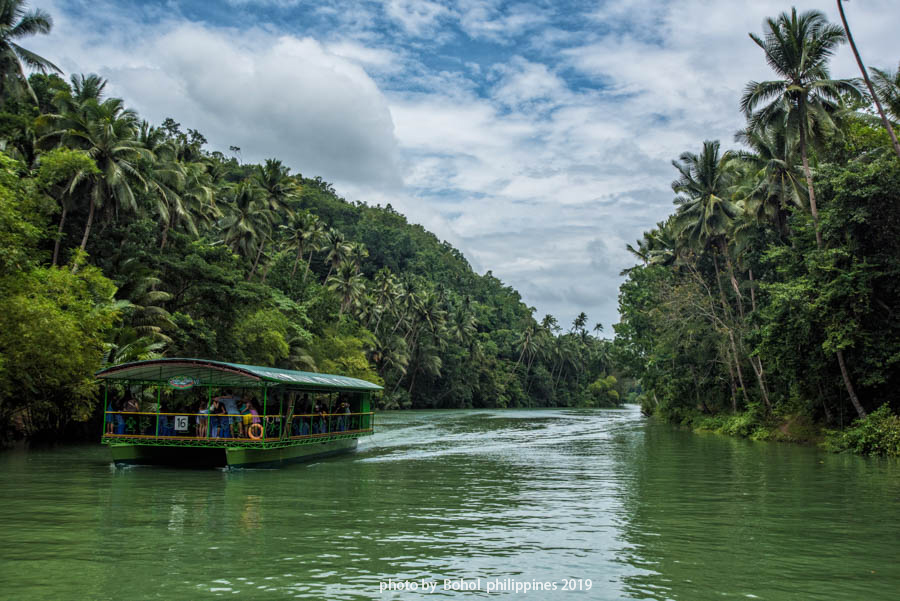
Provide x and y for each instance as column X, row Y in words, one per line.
column 416, row 17
column 271, row 95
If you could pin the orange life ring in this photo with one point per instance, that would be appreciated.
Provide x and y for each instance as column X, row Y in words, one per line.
column 255, row 428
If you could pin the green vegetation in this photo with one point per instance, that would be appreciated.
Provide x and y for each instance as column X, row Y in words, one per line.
column 124, row 241
column 768, row 304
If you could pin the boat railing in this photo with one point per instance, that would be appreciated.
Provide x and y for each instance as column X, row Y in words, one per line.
column 234, row 427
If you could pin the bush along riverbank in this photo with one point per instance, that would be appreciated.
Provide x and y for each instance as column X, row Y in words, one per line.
column 768, row 304
column 877, row 434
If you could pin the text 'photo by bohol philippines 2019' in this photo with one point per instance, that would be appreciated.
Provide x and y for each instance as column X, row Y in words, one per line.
column 461, row 299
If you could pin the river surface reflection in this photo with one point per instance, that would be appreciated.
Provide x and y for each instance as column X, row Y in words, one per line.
column 642, row 510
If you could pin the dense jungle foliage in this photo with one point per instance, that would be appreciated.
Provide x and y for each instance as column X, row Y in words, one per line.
column 768, row 303
column 123, row 241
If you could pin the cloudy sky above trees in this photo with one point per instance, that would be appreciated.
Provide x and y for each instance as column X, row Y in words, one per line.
column 534, row 136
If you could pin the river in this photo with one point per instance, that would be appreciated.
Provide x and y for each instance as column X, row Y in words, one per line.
column 639, row 509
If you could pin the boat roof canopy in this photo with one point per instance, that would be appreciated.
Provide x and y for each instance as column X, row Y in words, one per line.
column 186, row 373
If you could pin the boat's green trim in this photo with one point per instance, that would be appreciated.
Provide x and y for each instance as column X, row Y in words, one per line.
column 238, row 457
column 131, row 454
column 269, row 458
column 206, row 372
column 221, row 443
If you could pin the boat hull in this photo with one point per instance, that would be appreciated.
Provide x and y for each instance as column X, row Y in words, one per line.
column 237, row 457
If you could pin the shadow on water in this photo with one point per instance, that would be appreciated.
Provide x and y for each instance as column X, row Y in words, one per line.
column 641, row 509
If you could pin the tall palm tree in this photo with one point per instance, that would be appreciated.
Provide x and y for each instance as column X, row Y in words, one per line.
column 17, row 22
column 358, row 253
column 337, row 248
column 526, row 343
column 390, row 352
column 303, row 233
column 769, row 181
column 704, row 217
column 386, row 290
column 579, row 322
column 862, row 69
column 274, row 178
column 349, row 285
column 107, row 132
column 247, row 218
column 704, row 210
column 803, row 101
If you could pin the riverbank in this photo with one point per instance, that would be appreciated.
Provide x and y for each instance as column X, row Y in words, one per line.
column 877, row 434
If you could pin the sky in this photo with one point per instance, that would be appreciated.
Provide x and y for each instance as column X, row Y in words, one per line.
column 536, row 137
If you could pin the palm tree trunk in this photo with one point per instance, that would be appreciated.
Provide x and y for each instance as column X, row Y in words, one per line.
column 262, row 245
column 733, row 384
column 59, row 232
column 734, row 351
column 308, row 261
column 165, row 234
column 755, row 362
column 87, row 232
column 297, row 259
column 853, row 398
column 266, row 271
column 752, row 291
column 865, row 74
column 813, row 209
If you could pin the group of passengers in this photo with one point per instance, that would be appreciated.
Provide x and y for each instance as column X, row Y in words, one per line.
column 231, row 416
column 228, row 416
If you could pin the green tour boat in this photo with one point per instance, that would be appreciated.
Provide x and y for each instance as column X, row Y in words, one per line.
column 202, row 413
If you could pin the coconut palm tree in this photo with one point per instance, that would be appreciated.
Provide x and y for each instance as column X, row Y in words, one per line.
column 802, row 101
column 337, row 248
column 525, row 343
column 704, row 218
column 274, row 178
column 704, row 210
column 386, row 290
column 303, row 233
column 16, row 23
column 349, row 285
column 358, row 253
column 107, row 132
column 805, row 98
column 247, row 218
column 769, row 181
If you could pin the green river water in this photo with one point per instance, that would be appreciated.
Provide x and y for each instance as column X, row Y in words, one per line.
column 640, row 509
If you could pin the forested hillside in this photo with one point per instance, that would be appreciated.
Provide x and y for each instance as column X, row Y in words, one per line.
column 124, row 240
column 768, row 303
